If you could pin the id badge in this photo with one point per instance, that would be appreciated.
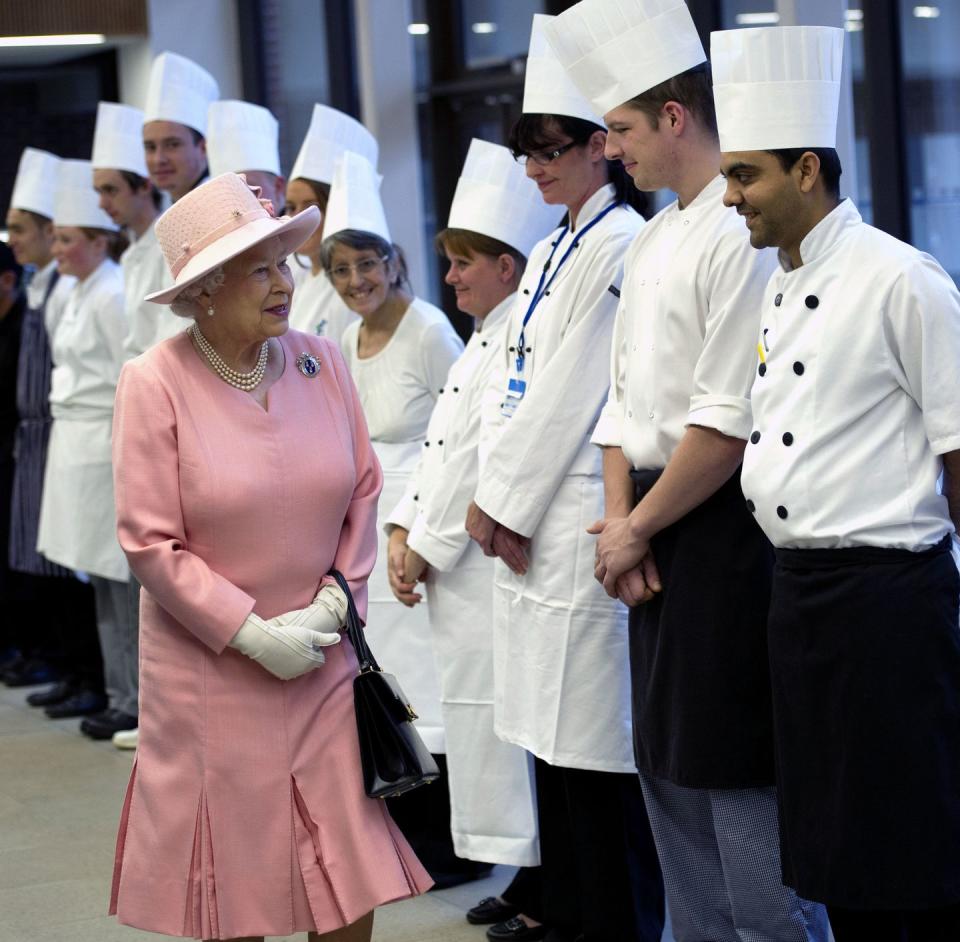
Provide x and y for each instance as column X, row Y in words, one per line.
column 516, row 389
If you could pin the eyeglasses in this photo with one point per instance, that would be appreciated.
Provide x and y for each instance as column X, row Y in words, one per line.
column 366, row 266
column 544, row 157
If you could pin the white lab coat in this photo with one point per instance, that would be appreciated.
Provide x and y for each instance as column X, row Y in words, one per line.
column 561, row 665
column 398, row 388
column 493, row 810
column 57, row 302
column 683, row 350
column 858, row 396
column 145, row 271
column 78, row 526
column 317, row 308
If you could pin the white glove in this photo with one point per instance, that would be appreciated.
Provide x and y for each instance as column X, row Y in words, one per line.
column 324, row 615
column 286, row 652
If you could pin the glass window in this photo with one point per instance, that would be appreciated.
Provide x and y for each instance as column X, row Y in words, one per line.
column 496, row 31
column 931, row 72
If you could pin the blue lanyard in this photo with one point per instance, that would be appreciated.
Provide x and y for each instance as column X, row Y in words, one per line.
column 544, row 288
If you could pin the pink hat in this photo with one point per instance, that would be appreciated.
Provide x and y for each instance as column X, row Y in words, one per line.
column 216, row 222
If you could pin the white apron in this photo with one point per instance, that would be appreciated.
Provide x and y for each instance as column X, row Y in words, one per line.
column 400, row 636
column 492, row 799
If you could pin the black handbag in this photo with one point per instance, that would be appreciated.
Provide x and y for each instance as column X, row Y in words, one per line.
column 392, row 754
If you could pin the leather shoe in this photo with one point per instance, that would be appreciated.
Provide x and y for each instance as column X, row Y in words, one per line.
column 29, row 674
column 82, row 703
column 104, row 725
column 514, row 930
column 490, row 910
column 57, row 693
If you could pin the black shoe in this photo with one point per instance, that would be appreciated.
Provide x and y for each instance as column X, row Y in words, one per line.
column 60, row 691
column 105, row 724
column 82, row 703
column 515, row 929
column 29, row 674
column 490, row 910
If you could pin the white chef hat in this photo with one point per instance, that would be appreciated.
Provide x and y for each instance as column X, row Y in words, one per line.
column 35, row 187
column 180, row 91
column 777, row 87
column 547, row 88
column 355, row 198
column 118, row 139
column 496, row 198
column 76, row 202
column 241, row 136
column 331, row 133
column 615, row 51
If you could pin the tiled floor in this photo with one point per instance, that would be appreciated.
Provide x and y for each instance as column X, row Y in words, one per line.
column 60, row 798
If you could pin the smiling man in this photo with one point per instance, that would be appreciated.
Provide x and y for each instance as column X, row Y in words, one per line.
column 677, row 543
column 175, row 122
column 856, row 413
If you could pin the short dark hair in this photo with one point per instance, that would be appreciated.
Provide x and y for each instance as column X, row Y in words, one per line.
column 693, row 89
column 538, row 132
column 361, row 241
column 136, row 182
column 468, row 243
column 117, row 242
column 830, row 167
column 195, row 134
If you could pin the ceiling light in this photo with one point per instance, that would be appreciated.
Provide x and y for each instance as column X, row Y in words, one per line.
column 484, row 27
column 418, row 29
column 758, row 19
column 854, row 15
column 73, row 39
column 926, row 13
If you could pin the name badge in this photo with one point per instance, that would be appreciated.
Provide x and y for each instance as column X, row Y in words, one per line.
column 516, row 389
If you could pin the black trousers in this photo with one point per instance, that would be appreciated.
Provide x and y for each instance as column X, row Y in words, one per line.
column 930, row 925
column 601, row 875
column 423, row 815
column 526, row 892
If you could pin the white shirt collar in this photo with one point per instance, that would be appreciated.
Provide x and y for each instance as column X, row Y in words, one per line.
column 594, row 204
column 497, row 314
column 825, row 234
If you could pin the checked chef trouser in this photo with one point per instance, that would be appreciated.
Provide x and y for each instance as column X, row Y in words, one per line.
column 118, row 644
column 720, row 854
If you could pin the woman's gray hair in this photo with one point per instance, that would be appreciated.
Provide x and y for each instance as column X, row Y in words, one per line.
column 186, row 303
column 361, row 241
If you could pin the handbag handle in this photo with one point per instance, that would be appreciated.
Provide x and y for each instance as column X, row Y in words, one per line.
column 354, row 628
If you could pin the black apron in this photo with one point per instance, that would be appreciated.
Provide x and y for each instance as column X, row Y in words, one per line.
column 30, row 444
column 698, row 650
column 865, row 663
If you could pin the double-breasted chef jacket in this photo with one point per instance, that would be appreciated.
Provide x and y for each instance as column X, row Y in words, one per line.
column 493, row 817
column 316, row 307
column 77, row 519
column 398, row 388
column 145, row 271
column 561, row 676
column 682, row 355
column 855, row 399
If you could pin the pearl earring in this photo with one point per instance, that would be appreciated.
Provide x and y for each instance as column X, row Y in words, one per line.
column 210, row 311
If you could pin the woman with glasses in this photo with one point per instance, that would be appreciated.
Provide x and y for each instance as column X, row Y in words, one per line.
column 561, row 662
column 399, row 352
column 317, row 307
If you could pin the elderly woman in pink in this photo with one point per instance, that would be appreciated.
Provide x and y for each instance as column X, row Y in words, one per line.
column 244, row 473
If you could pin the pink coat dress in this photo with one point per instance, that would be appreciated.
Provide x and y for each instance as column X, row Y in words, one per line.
column 245, row 813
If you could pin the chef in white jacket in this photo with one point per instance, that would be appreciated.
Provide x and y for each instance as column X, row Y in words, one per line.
column 179, row 94
column 317, row 307
column 77, row 519
column 856, row 414
column 673, row 433
column 561, row 662
column 496, row 218
column 399, row 352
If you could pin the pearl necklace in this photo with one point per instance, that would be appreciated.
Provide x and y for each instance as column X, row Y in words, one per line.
column 244, row 381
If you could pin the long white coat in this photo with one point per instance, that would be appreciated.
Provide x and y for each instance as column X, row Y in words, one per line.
column 78, row 526
column 145, row 271
column 561, row 666
column 398, row 388
column 493, row 811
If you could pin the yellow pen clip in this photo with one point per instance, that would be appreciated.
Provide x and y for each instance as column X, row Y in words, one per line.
column 763, row 359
